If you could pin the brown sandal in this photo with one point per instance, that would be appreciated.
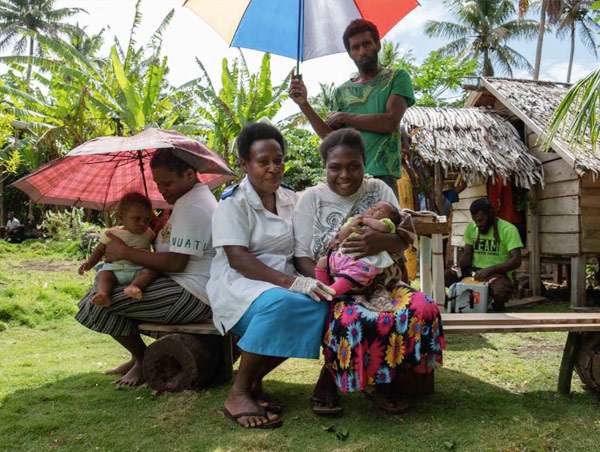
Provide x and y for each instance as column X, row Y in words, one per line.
column 328, row 407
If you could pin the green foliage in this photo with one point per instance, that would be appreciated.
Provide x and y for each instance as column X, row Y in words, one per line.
column 22, row 22
column 303, row 165
column 436, row 76
column 576, row 119
column 482, row 32
column 67, row 224
column 244, row 98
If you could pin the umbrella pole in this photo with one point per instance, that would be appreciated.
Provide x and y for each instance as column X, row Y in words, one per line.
column 299, row 37
column 141, row 162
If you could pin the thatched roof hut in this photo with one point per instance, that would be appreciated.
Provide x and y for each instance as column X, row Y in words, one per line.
column 476, row 142
column 534, row 103
column 563, row 222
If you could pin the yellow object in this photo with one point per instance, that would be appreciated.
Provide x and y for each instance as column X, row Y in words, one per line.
column 405, row 198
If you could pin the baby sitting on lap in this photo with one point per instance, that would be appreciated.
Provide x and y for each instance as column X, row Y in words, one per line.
column 347, row 272
column 135, row 214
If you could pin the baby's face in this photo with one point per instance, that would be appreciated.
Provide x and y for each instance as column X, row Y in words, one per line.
column 136, row 219
column 380, row 210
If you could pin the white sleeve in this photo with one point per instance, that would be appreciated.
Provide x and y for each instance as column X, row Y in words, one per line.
column 303, row 225
column 190, row 231
column 230, row 225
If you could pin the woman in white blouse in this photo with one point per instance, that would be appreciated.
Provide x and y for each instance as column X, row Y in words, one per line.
column 253, row 288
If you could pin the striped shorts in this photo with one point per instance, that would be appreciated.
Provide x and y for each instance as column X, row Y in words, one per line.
column 164, row 301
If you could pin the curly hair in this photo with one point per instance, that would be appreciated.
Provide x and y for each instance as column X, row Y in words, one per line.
column 255, row 132
column 133, row 198
column 342, row 137
column 358, row 26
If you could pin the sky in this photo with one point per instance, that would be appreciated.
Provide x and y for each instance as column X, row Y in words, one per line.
column 188, row 37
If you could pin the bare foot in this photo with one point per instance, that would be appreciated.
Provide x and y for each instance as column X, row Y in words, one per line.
column 134, row 377
column 133, row 292
column 121, row 369
column 239, row 402
column 101, row 299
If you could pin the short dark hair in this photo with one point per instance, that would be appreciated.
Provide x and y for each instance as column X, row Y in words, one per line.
column 166, row 158
column 481, row 205
column 395, row 217
column 254, row 132
column 342, row 137
column 133, row 198
column 358, row 26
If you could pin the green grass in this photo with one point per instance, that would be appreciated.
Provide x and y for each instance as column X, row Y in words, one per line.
column 39, row 282
column 496, row 392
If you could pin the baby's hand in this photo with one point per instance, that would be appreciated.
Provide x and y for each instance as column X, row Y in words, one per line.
column 322, row 262
column 83, row 268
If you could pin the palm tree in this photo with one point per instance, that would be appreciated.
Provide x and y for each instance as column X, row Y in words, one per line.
column 575, row 17
column 549, row 12
column 23, row 21
column 483, row 31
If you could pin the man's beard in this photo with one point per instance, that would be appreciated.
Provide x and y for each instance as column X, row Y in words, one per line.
column 368, row 65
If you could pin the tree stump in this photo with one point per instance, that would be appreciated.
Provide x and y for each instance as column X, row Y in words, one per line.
column 177, row 362
column 587, row 362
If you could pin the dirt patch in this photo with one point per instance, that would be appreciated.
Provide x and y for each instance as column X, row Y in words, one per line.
column 47, row 266
column 536, row 349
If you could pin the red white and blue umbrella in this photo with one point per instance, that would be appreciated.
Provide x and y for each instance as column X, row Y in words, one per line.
column 300, row 29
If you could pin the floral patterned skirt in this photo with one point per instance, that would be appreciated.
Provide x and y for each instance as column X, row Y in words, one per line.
column 363, row 346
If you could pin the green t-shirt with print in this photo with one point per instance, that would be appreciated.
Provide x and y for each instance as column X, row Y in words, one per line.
column 487, row 252
column 382, row 152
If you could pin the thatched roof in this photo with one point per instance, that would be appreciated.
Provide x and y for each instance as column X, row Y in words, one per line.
column 476, row 142
column 534, row 103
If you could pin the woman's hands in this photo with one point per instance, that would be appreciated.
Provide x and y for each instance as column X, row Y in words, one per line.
column 367, row 242
column 313, row 288
column 115, row 249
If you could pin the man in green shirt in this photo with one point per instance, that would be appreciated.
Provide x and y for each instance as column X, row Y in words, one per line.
column 373, row 102
column 492, row 252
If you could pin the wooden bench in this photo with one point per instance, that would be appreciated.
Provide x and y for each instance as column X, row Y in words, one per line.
column 188, row 356
column 580, row 350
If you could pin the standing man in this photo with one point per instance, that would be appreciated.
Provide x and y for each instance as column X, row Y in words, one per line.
column 373, row 102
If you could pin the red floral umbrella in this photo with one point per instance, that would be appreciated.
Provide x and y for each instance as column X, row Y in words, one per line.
column 99, row 172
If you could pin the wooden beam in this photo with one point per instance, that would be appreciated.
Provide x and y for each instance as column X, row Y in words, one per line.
column 191, row 328
column 578, row 281
column 439, row 291
column 543, row 328
column 425, row 265
column 533, row 245
column 521, row 318
column 567, row 363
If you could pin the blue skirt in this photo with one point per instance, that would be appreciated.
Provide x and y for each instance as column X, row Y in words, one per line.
column 284, row 324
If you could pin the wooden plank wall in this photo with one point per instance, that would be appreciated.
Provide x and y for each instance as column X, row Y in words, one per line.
column 461, row 216
column 558, row 205
column 590, row 214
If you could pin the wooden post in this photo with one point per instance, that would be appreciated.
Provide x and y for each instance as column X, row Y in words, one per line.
column 577, row 281
column 533, row 245
column 439, row 293
column 568, row 362
column 425, row 265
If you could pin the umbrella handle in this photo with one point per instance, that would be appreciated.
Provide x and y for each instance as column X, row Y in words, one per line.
column 300, row 12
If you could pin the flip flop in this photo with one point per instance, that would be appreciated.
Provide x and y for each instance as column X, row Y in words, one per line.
column 262, row 413
column 330, row 407
column 269, row 403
